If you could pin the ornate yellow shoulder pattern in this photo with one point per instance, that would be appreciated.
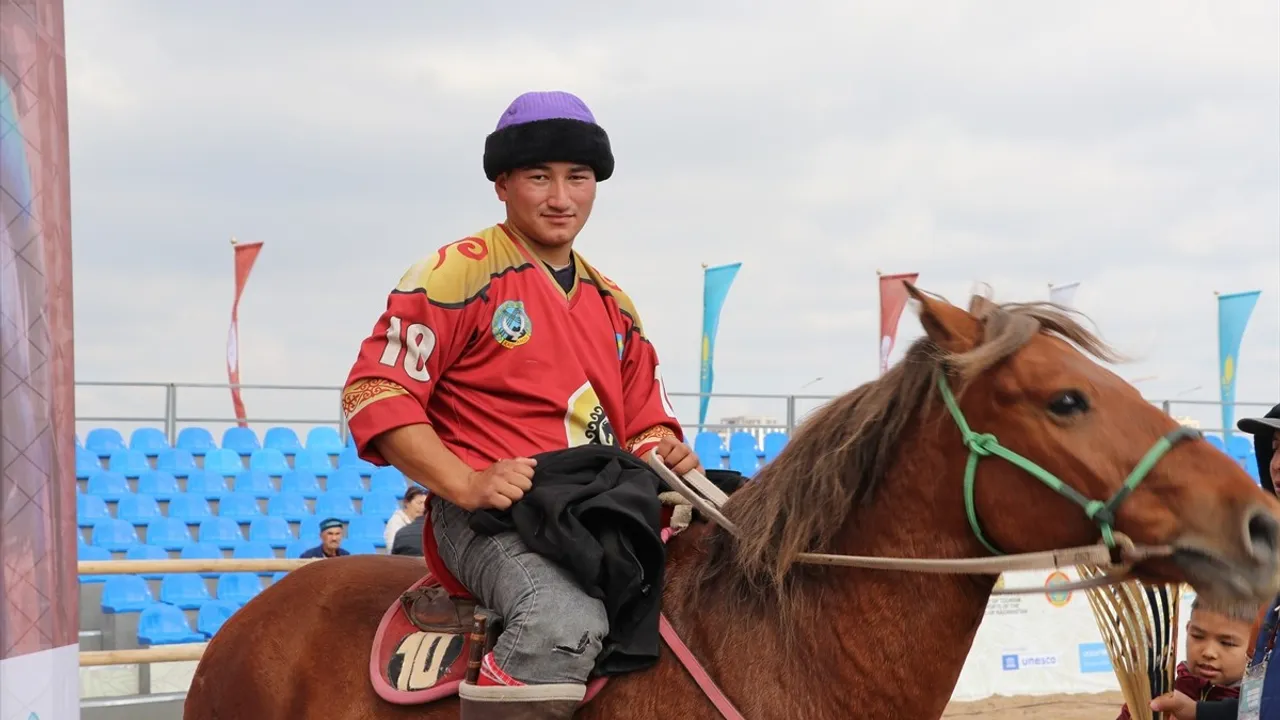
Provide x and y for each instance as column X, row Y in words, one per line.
column 459, row 272
column 610, row 288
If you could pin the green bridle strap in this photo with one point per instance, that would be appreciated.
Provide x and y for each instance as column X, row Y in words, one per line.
column 1103, row 513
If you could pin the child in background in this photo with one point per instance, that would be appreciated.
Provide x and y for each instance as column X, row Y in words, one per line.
column 1217, row 653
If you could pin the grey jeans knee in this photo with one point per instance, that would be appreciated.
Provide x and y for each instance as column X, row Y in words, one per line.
column 553, row 631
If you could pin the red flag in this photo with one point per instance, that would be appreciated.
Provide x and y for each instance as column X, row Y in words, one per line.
column 893, row 300
column 245, row 256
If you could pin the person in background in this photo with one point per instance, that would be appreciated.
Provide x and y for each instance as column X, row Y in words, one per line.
column 1261, row 676
column 408, row 540
column 1217, row 645
column 412, row 507
column 330, row 541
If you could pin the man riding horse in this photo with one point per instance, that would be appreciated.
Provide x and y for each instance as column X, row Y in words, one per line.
column 496, row 348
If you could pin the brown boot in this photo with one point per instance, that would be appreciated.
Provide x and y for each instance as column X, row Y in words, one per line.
column 526, row 702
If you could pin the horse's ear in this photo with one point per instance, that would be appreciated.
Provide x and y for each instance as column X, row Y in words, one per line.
column 948, row 326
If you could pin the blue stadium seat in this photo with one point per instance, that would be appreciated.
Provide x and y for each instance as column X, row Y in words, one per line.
column 242, row 440
column 315, row 461
column 290, row 506
column 744, row 460
column 380, row 505
column 1216, row 441
column 273, row 531
column 389, row 480
column 709, row 449
column 169, row 533
column 238, row 588
column 103, row 441
column 196, row 440
column 741, row 439
column 1251, row 467
column 184, row 590
column 1239, row 446
column 162, row 624
column 223, row 461
column 159, row 484
column 78, row 443
column 90, row 552
column 202, row 551
column 130, row 463
column 270, row 461
column 302, row 482
column 207, row 484
column 213, row 615
column 90, row 509
column 283, row 439
column 108, row 485
column 149, row 441
column 114, row 535
column 325, row 439
column 294, row 550
column 359, row 547
column 309, row 530
column 124, row 594
column 345, row 480
column 255, row 482
column 253, row 550
column 349, row 458
column 189, row 508
column 239, row 506
column 335, row 504
column 366, row 529
column 773, row 444
column 178, row 462
column 138, row 509
column 220, row 531
column 87, row 463
column 147, row 552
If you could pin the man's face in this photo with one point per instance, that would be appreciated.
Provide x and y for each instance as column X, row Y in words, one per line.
column 549, row 203
column 331, row 538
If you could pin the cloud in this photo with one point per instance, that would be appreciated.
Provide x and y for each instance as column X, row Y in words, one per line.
column 1132, row 147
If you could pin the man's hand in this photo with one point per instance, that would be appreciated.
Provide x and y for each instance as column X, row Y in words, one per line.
column 498, row 486
column 678, row 456
column 1176, row 704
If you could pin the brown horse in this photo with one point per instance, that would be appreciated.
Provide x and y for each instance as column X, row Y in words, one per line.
column 875, row 472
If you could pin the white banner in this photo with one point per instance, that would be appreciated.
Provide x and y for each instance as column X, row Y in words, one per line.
column 43, row 685
column 1043, row 644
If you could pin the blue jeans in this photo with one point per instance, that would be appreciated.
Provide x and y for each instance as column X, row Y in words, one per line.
column 552, row 630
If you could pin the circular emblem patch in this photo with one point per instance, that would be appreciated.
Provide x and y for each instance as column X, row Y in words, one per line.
column 511, row 325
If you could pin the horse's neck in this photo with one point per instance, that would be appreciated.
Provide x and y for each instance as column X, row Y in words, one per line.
column 871, row 643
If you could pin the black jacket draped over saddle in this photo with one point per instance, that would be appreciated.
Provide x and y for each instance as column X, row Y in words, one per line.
column 594, row 510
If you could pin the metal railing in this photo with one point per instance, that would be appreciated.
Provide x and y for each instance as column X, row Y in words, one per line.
column 173, row 410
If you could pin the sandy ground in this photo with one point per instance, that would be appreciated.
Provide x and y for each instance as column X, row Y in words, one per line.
column 1101, row 706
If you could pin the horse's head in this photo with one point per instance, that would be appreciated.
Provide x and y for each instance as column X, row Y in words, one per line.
column 1089, row 452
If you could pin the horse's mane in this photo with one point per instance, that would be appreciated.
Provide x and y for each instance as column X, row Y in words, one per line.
column 834, row 460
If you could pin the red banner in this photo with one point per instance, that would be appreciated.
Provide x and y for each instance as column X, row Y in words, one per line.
column 893, row 300
column 245, row 256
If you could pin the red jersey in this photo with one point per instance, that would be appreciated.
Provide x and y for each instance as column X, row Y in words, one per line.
column 480, row 341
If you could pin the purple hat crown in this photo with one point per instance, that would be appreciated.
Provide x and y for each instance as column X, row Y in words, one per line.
column 542, row 127
column 553, row 105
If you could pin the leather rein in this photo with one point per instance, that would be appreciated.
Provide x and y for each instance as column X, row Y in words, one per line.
column 1115, row 556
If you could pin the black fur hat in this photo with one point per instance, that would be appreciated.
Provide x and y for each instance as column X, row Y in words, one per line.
column 543, row 127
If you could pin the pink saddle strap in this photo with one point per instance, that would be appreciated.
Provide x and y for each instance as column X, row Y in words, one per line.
column 700, row 676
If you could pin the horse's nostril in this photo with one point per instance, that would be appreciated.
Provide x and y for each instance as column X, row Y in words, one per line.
column 1264, row 534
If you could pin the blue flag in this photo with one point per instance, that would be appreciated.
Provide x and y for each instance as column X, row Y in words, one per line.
column 715, row 287
column 1233, row 315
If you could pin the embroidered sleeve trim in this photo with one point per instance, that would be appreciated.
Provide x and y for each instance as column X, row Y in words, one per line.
column 366, row 391
column 657, row 432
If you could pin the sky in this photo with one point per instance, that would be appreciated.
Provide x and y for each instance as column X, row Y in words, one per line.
column 1132, row 147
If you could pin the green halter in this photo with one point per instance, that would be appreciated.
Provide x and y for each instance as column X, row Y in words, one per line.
column 1103, row 513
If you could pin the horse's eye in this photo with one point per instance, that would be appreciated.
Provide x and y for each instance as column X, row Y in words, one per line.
column 1069, row 403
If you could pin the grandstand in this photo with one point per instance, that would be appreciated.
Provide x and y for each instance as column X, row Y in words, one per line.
column 150, row 494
